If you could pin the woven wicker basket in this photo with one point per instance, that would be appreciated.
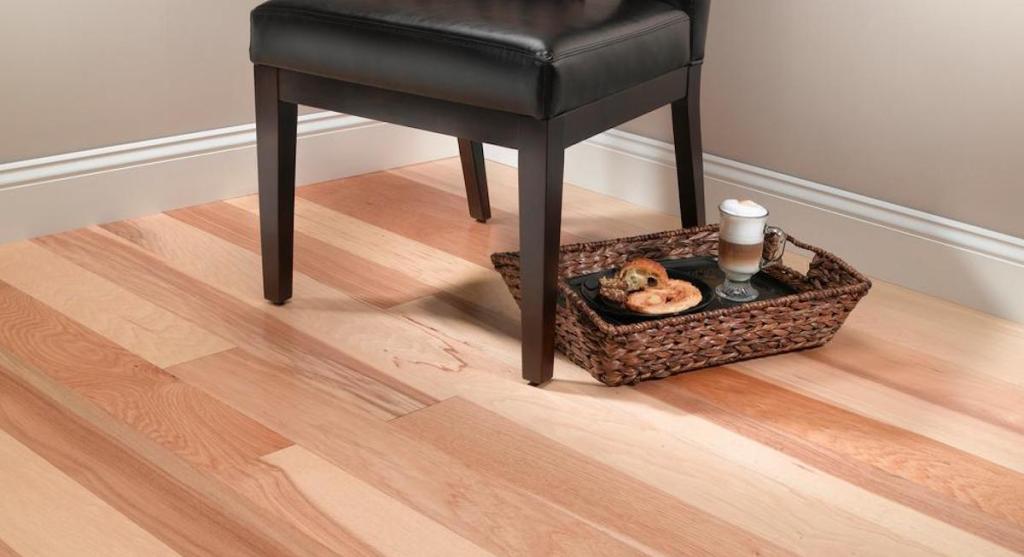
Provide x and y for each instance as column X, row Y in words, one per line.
column 626, row 354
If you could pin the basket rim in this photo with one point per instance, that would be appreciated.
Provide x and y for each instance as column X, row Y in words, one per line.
column 862, row 285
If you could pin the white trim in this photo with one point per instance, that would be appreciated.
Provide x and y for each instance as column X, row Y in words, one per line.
column 936, row 255
column 904, row 219
column 933, row 254
column 50, row 194
column 120, row 157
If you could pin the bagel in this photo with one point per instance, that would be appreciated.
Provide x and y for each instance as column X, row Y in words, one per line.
column 674, row 297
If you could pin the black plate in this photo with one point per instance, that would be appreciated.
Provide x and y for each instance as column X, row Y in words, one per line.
column 590, row 288
column 703, row 272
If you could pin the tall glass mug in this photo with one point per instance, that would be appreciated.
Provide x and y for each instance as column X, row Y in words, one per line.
column 744, row 226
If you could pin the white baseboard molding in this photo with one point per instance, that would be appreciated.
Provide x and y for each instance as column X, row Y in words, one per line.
column 939, row 256
column 52, row 194
column 960, row 262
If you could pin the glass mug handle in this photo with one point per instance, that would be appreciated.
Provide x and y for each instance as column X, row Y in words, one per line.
column 777, row 244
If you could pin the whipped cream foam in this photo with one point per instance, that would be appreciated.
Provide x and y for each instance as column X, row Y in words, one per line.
column 743, row 222
column 745, row 208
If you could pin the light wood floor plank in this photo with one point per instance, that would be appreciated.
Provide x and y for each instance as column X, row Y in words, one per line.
column 952, row 485
column 477, row 255
column 795, row 506
column 276, row 491
column 361, row 334
column 7, row 551
column 443, row 271
column 429, row 378
column 362, row 277
column 183, row 419
column 199, row 429
column 159, row 336
column 189, row 512
column 628, row 508
column 217, row 274
column 387, row 200
column 242, row 324
column 811, row 377
column 387, row 525
column 236, row 271
column 495, row 515
column 963, row 337
column 395, row 369
column 76, row 521
column 922, row 375
column 979, row 392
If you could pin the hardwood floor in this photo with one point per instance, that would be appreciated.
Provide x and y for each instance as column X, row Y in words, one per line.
column 152, row 403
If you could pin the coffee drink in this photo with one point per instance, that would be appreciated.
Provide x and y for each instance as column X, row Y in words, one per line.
column 739, row 260
column 741, row 248
column 741, row 238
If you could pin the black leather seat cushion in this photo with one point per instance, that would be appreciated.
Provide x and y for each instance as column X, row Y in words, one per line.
column 534, row 57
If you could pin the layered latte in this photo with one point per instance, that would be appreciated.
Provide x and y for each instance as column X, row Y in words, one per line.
column 741, row 238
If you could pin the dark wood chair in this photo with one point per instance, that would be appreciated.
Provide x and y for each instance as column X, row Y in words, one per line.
column 533, row 75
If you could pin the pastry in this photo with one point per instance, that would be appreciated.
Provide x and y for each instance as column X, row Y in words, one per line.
column 634, row 276
column 674, row 297
column 643, row 286
column 643, row 273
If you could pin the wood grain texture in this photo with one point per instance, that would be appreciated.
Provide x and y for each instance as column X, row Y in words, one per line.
column 480, row 508
column 197, row 428
column 387, row 200
column 366, row 279
column 647, row 517
column 186, row 510
column 183, row 419
column 806, row 510
column 157, row 335
column 433, row 379
column 924, row 376
column 321, row 317
column 387, row 346
column 142, row 373
column 953, row 485
column 81, row 524
column 448, row 274
column 965, row 337
column 816, row 379
column 386, row 524
column 281, row 494
column 229, row 317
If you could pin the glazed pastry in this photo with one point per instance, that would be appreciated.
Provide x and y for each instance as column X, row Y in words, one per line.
column 674, row 297
column 634, row 276
column 643, row 273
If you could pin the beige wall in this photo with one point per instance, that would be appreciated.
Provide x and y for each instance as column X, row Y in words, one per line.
column 913, row 101
column 82, row 74
column 917, row 102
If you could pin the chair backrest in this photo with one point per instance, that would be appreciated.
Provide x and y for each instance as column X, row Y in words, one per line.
column 699, row 11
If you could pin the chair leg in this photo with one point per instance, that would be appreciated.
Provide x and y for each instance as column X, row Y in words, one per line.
column 541, row 165
column 690, row 153
column 475, row 174
column 276, row 123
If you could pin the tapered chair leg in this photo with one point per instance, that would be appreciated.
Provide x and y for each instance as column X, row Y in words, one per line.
column 276, row 123
column 690, row 152
column 541, row 165
column 475, row 174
